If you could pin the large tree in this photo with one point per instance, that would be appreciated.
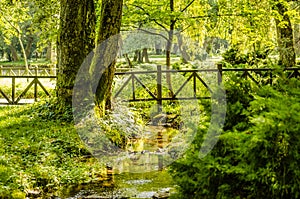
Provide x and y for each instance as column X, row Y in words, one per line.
column 103, row 64
column 76, row 40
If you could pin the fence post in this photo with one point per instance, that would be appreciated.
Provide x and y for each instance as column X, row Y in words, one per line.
column 159, row 89
column 13, row 89
column 220, row 70
column 35, row 83
column 133, row 86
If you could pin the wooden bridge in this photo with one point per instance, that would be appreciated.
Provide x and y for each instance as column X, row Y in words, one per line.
column 192, row 78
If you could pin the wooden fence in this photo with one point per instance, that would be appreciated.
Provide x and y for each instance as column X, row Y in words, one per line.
column 195, row 77
column 9, row 90
column 32, row 71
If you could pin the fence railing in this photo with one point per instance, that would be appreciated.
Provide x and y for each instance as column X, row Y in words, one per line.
column 196, row 77
column 32, row 71
column 192, row 78
column 9, row 94
column 189, row 76
column 265, row 74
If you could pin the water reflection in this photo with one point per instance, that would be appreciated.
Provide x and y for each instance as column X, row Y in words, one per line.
column 126, row 185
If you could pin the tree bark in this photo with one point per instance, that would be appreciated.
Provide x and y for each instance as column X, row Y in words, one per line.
column 24, row 52
column 168, row 50
column 285, row 39
column 297, row 38
column 106, row 52
column 76, row 40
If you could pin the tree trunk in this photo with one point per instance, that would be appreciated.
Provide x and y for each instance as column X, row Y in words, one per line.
column 135, row 57
column 297, row 38
column 285, row 38
column 8, row 53
column 138, row 56
column 48, row 51
column 14, row 53
column 145, row 55
column 106, row 53
column 76, row 40
column 23, row 51
column 168, row 50
column 128, row 60
column 28, row 46
column 168, row 63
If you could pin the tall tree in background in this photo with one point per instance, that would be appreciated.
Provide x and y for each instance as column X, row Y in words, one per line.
column 167, row 16
column 285, row 38
column 106, row 53
column 76, row 40
column 14, row 17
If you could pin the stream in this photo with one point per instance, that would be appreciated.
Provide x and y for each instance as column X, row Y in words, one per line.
column 155, row 184
column 139, row 174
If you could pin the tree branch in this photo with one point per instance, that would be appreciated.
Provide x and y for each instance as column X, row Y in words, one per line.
column 151, row 19
column 185, row 28
column 153, row 33
column 8, row 21
column 187, row 6
column 217, row 15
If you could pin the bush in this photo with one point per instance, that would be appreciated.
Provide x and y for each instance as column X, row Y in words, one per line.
column 234, row 57
column 260, row 161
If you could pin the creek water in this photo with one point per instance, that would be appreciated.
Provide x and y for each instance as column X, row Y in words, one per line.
column 140, row 174
column 126, row 185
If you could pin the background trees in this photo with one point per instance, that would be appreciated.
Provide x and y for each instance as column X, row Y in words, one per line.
column 28, row 28
column 251, row 27
column 15, row 19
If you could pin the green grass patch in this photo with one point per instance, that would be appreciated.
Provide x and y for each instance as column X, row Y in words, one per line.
column 41, row 153
column 22, row 63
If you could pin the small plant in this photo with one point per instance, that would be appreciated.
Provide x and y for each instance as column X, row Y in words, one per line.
column 121, row 125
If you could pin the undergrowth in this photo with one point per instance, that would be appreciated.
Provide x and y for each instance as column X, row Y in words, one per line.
column 40, row 151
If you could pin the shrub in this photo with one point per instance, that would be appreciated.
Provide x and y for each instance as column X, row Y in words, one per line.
column 260, row 161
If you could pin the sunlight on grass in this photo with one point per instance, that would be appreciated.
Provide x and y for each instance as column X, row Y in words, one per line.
column 40, row 155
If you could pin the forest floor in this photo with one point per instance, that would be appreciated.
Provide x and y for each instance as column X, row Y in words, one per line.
column 39, row 155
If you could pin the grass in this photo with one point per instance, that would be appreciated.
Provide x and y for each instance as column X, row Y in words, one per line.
column 40, row 155
column 22, row 63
